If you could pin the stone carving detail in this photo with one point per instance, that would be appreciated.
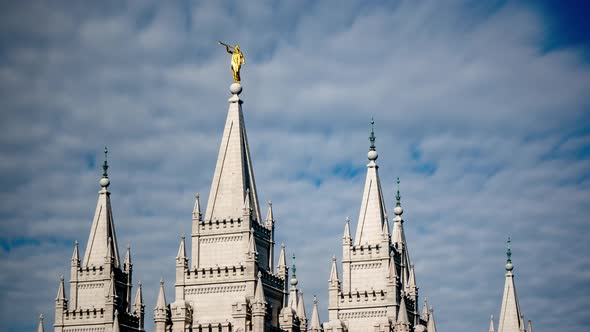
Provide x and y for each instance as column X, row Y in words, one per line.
column 84, row 329
column 215, row 289
column 362, row 314
column 365, row 266
column 221, row 239
column 91, row 286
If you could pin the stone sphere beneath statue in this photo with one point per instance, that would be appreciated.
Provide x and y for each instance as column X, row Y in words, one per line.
column 235, row 88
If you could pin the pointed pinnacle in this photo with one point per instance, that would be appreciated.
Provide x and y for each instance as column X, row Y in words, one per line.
column 105, row 165
column 398, row 197
column 372, row 137
column 508, row 251
column 294, row 268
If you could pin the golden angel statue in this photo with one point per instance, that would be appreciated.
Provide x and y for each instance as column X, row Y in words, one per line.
column 237, row 60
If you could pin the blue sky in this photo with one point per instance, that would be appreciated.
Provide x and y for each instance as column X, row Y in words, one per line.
column 481, row 109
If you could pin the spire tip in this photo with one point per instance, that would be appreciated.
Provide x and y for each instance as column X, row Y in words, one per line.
column 397, row 210
column 509, row 265
column 104, row 181
column 372, row 155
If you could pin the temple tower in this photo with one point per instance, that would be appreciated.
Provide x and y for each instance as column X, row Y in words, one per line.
column 229, row 283
column 100, row 284
column 377, row 290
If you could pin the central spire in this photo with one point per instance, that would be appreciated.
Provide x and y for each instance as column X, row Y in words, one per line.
column 372, row 214
column 233, row 176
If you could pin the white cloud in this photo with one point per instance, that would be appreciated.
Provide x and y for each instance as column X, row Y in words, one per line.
column 466, row 92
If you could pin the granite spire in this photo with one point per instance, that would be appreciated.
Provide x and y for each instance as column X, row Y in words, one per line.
column 233, row 176
column 314, row 324
column 510, row 314
column 40, row 327
column 99, row 246
column 431, row 323
column 372, row 213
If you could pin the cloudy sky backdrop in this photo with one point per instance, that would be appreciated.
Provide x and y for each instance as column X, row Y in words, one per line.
column 481, row 108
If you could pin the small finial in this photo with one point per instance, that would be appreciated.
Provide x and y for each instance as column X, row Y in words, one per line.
column 294, row 278
column 182, row 236
column 372, row 137
column 139, row 283
column 372, row 155
column 509, row 265
column 41, row 317
column 61, row 278
column 161, row 281
column 105, row 165
column 333, row 258
column 398, row 197
column 283, row 245
column 259, row 274
column 315, row 299
column 128, row 245
column 397, row 210
column 104, row 181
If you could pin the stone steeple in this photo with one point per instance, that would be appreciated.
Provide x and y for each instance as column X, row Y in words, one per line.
column 161, row 311
column 491, row 329
column 138, row 306
column 301, row 312
column 346, row 238
column 232, row 247
column 402, row 324
column 116, row 326
column 282, row 264
column 399, row 237
column 376, row 267
column 99, row 284
column 431, row 323
column 40, row 327
column 511, row 319
column 372, row 213
column 233, row 175
column 102, row 229
column 314, row 324
column 292, row 317
column 259, row 306
column 425, row 311
column 269, row 215
column 293, row 290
